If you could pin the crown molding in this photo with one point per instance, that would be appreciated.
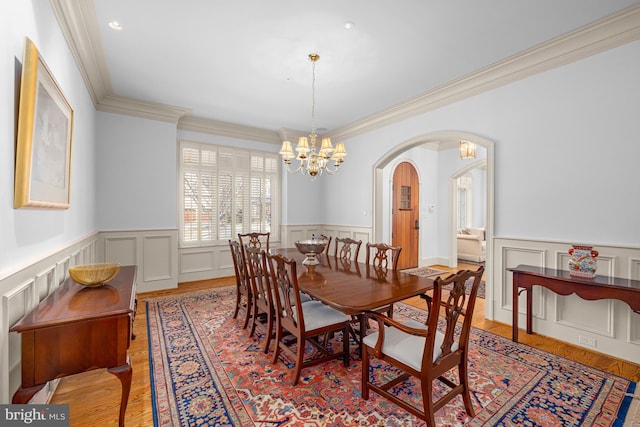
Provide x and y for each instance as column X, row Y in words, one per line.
column 138, row 108
column 217, row 127
column 77, row 20
column 79, row 25
column 604, row 34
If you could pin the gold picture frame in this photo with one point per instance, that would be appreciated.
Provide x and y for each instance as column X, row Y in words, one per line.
column 43, row 143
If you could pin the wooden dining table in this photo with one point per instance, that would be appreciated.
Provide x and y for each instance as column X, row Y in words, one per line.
column 353, row 287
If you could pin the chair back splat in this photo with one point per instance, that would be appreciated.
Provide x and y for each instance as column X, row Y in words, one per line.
column 305, row 321
column 347, row 248
column 262, row 307
column 255, row 240
column 383, row 256
column 243, row 285
column 423, row 351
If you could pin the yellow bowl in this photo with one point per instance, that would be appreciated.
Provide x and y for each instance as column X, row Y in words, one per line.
column 94, row 274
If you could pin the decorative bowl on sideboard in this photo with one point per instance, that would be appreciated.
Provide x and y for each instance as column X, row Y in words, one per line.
column 94, row 274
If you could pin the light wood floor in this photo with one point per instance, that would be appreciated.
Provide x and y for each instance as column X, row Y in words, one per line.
column 94, row 396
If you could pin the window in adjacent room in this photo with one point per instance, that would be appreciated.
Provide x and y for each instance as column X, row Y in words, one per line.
column 225, row 191
column 464, row 201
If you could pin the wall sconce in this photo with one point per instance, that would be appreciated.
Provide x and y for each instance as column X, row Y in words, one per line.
column 467, row 150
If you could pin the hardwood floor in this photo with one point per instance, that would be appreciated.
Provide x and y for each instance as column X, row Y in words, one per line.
column 94, row 396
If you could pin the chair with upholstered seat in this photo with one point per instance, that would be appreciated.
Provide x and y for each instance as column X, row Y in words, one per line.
column 347, row 248
column 306, row 322
column 263, row 304
column 243, row 285
column 423, row 351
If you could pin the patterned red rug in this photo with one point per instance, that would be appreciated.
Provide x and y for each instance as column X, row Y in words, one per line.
column 206, row 371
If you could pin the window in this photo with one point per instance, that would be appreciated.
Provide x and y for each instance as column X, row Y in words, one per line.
column 225, row 191
column 464, row 201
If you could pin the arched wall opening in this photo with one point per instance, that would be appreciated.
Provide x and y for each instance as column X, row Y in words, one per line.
column 442, row 139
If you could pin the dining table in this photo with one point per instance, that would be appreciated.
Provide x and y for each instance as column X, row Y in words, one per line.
column 354, row 287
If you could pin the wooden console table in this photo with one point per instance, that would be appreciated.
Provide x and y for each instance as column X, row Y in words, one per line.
column 77, row 329
column 562, row 283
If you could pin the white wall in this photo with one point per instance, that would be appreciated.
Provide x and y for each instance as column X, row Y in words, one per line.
column 566, row 151
column 137, row 173
column 28, row 234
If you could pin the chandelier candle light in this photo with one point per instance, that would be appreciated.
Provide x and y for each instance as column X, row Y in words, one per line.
column 313, row 162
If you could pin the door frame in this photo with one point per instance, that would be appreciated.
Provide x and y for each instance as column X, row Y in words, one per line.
column 441, row 138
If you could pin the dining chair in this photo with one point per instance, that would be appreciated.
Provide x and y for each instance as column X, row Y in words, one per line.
column 306, row 322
column 256, row 240
column 323, row 237
column 423, row 351
column 347, row 248
column 383, row 258
column 262, row 307
column 243, row 286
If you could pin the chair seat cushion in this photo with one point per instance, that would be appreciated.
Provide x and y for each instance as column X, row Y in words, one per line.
column 318, row 315
column 405, row 347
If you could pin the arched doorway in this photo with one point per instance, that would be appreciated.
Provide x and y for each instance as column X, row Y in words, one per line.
column 448, row 244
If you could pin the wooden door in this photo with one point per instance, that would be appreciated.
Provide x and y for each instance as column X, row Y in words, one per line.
column 405, row 214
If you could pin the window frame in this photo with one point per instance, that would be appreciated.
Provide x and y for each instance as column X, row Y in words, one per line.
column 238, row 167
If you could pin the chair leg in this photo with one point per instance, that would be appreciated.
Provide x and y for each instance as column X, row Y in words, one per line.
column 276, row 350
column 247, row 313
column 235, row 311
column 427, row 401
column 254, row 317
column 364, row 389
column 466, row 397
column 345, row 343
column 299, row 360
column 269, row 333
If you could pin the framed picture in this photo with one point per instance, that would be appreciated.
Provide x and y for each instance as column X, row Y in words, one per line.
column 43, row 145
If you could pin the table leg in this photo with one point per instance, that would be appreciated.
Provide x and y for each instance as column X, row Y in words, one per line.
column 529, row 310
column 514, row 309
column 124, row 375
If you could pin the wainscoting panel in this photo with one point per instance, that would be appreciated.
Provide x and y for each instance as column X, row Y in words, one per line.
column 155, row 252
column 204, row 263
column 121, row 248
column 610, row 324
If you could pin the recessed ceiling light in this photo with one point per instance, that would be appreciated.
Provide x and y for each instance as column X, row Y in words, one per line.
column 349, row 25
column 115, row 25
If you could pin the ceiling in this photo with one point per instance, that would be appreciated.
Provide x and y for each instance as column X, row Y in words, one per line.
column 245, row 62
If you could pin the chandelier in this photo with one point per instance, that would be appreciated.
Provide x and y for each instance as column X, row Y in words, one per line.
column 313, row 161
column 467, row 150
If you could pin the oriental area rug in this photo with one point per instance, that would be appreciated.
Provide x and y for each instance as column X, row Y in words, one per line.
column 206, row 371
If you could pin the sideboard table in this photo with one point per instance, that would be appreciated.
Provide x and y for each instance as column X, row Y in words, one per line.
column 77, row 329
column 562, row 283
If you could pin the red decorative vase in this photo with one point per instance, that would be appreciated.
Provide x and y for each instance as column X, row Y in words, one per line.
column 583, row 261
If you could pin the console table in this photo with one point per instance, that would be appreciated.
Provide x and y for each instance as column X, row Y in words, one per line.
column 562, row 283
column 77, row 329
